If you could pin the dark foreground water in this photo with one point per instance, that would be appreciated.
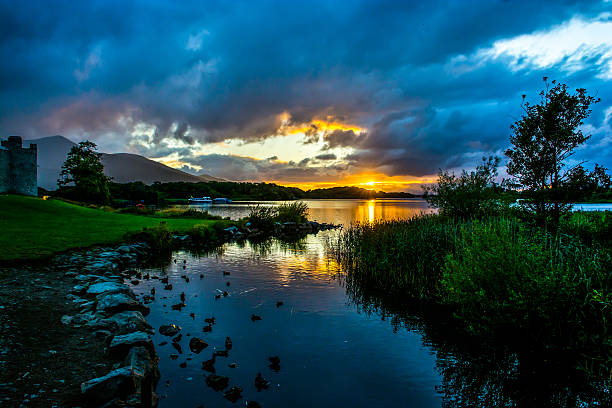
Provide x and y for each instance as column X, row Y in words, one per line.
column 339, row 346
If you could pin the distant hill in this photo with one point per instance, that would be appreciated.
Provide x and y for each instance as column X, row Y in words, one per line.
column 126, row 168
column 122, row 167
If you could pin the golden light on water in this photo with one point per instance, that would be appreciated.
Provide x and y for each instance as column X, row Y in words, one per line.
column 371, row 210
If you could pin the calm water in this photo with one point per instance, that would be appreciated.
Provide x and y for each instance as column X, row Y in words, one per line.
column 338, row 345
column 331, row 211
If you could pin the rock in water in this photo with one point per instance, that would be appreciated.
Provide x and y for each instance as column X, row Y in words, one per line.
column 197, row 345
column 217, row 382
column 209, row 365
column 274, row 363
column 228, row 343
column 261, row 383
column 254, row 317
column 233, row 394
column 169, row 329
column 178, row 306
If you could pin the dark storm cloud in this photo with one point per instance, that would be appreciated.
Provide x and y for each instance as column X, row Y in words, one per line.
column 244, row 169
column 327, row 156
column 209, row 71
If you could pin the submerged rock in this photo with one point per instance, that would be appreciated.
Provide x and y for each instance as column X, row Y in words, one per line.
column 261, row 383
column 197, row 345
column 254, row 317
column 233, row 394
column 217, row 382
column 209, row 365
column 274, row 363
column 178, row 306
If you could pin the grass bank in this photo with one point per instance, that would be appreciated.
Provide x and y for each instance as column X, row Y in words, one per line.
column 500, row 276
column 33, row 228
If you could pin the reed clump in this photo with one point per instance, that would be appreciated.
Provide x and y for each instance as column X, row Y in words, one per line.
column 497, row 274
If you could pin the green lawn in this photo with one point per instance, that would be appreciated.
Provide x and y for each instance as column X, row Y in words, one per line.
column 32, row 228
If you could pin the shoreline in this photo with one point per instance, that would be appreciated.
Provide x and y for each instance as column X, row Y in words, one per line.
column 92, row 319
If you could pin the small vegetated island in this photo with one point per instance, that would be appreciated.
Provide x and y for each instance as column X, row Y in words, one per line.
column 534, row 274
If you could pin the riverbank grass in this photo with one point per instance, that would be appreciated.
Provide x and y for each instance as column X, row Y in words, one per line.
column 34, row 228
column 500, row 275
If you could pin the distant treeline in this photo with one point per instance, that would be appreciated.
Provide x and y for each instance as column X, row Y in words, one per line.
column 157, row 193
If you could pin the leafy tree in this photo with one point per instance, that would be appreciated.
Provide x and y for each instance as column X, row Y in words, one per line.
column 469, row 195
column 82, row 176
column 582, row 184
column 542, row 141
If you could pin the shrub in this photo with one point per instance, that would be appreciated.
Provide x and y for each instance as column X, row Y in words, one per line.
column 551, row 288
column 202, row 235
column 470, row 195
column 296, row 211
column 262, row 217
column 159, row 237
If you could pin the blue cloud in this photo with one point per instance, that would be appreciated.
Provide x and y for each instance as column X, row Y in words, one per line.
column 216, row 70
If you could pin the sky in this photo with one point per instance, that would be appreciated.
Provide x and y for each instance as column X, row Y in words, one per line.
column 378, row 94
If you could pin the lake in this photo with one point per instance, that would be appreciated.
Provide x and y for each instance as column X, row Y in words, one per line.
column 338, row 344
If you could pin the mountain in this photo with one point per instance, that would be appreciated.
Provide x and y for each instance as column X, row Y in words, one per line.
column 122, row 167
column 126, row 167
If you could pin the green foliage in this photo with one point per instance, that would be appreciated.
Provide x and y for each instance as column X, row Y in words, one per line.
column 553, row 289
column 262, row 217
column 82, row 177
column 296, row 211
column 542, row 140
column 582, row 184
column 470, row 195
column 499, row 274
column 204, row 235
column 158, row 237
column 402, row 256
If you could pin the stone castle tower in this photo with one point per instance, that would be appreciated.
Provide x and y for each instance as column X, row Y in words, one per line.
column 18, row 167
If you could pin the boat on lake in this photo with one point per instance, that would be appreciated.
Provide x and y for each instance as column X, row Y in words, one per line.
column 200, row 200
column 208, row 200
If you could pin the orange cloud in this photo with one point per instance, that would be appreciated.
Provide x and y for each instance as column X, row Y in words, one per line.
column 370, row 181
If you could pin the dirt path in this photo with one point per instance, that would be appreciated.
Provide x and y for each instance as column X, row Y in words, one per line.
column 42, row 361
